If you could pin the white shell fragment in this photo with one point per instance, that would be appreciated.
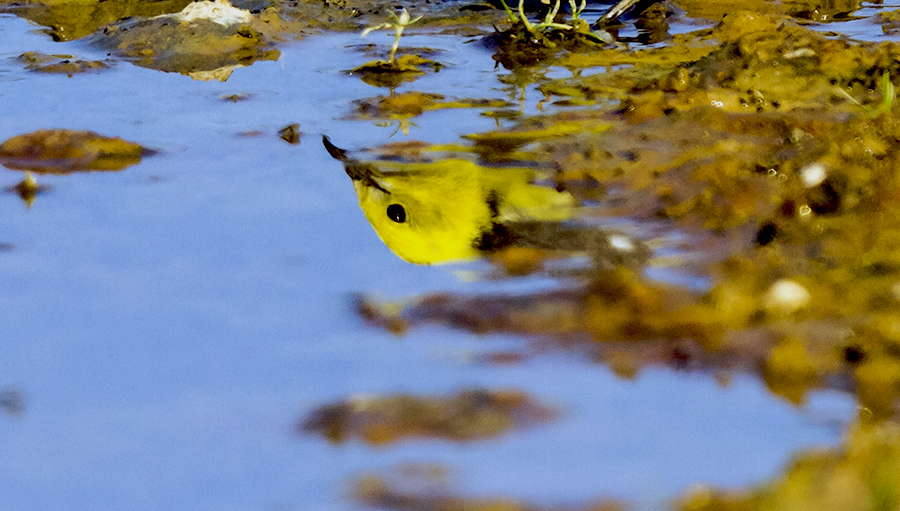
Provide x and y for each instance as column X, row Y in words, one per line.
column 813, row 175
column 220, row 11
column 786, row 296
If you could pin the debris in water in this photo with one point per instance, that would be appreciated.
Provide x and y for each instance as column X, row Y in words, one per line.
column 465, row 416
column 12, row 401
column 27, row 189
column 290, row 133
column 62, row 64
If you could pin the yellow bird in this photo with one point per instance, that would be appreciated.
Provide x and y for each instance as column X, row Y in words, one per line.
column 451, row 209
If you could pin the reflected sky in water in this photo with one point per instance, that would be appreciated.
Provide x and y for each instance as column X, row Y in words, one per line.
column 169, row 324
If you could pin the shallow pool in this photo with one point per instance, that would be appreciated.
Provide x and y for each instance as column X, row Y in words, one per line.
column 168, row 325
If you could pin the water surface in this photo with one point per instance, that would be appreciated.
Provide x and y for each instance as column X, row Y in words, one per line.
column 169, row 324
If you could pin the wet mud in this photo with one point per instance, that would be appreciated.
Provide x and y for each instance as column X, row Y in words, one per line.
column 430, row 487
column 61, row 151
column 466, row 416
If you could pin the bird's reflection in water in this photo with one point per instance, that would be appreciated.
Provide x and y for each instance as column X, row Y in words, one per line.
column 453, row 210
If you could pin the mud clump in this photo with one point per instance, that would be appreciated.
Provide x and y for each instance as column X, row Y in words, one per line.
column 525, row 46
column 202, row 48
column 413, row 103
column 889, row 21
column 408, row 490
column 862, row 474
column 60, row 64
column 392, row 73
column 291, row 133
column 67, row 21
column 27, row 189
column 466, row 416
column 61, row 151
column 405, row 104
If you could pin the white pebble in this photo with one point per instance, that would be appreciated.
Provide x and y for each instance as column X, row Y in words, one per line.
column 787, row 296
column 813, row 175
column 621, row 242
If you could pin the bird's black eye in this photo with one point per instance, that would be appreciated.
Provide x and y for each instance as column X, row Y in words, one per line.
column 396, row 213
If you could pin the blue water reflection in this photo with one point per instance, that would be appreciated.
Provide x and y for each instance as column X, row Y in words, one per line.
column 170, row 323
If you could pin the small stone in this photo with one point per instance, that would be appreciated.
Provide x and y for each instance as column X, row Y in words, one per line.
column 290, row 133
column 786, row 296
column 621, row 242
column 813, row 175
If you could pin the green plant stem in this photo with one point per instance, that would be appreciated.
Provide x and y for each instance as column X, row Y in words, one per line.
column 524, row 18
column 561, row 26
column 548, row 19
column 398, row 32
column 512, row 17
column 576, row 10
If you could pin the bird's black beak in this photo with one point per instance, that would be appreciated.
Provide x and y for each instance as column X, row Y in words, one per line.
column 357, row 170
column 336, row 152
